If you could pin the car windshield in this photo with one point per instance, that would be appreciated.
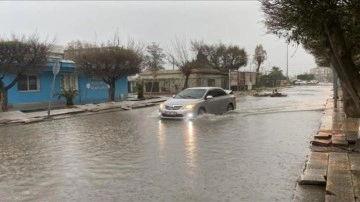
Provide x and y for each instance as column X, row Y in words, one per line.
column 191, row 94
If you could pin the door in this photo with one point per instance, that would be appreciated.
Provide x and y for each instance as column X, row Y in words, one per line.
column 213, row 105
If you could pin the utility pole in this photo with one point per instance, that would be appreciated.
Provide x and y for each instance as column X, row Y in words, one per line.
column 287, row 61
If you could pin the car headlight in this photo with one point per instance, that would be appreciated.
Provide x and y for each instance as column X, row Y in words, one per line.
column 162, row 106
column 189, row 106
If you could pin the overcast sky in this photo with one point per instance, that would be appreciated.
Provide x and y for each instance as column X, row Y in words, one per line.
column 233, row 22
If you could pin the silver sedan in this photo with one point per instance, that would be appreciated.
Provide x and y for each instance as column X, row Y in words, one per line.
column 196, row 101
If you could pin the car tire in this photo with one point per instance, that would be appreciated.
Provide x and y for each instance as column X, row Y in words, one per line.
column 230, row 107
column 201, row 111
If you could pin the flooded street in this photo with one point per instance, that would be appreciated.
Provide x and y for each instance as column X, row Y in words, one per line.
column 254, row 153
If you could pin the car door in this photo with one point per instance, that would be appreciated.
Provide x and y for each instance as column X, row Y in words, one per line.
column 221, row 101
column 214, row 104
column 211, row 104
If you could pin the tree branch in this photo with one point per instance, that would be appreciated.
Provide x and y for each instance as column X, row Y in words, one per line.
column 12, row 83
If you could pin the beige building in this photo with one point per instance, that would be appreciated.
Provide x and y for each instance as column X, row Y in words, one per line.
column 172, row 81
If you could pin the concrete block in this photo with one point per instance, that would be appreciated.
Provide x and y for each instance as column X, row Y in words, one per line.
column 339, row 139
column 323, row 135
column 312, row 180
column 338, row 136
column 321, row 142
column 340, row 142
column 316, row 171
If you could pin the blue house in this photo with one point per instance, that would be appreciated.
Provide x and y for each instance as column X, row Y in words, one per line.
column 34, row 91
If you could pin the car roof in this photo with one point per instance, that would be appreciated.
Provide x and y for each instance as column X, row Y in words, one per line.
column 205, row 88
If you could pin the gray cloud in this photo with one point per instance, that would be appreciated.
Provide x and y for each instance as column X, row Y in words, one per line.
column 229, row 22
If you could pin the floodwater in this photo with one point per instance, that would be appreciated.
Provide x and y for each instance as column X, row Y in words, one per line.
column 254, row 153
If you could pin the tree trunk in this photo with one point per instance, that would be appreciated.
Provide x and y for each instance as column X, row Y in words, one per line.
column 348, row 104
column 186, row 81
column 345, row 68
column 4, row 92
column 257, row 76
column 112, row 91
column 3, row 99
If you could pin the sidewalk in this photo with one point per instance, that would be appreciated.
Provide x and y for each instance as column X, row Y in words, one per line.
column 332, row 170
column 17, row 117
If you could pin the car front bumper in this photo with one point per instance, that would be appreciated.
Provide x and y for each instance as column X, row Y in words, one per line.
column 176, row 114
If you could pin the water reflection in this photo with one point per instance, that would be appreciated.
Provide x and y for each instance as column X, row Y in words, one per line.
column 190, row 148
column 162, row 138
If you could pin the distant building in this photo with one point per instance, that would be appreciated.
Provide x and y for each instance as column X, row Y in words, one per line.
column 322, row 74
column 172, row 81
column 242, row 80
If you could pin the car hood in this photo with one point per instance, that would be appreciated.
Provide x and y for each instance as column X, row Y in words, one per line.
column 181, row 101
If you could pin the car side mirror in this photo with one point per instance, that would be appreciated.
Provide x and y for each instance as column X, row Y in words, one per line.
column 209, row 97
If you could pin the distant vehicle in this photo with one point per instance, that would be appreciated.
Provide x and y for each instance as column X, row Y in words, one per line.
column 301, row 82
column 196, row 101
column 278, row 95
column 261, row 94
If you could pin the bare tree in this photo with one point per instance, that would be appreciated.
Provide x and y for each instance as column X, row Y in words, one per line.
column 260, row 56
column 110, row 61
column 182, row 57
column 154, row 60
column 20, row 55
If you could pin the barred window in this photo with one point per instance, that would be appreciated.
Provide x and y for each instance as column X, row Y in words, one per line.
column 69, row 81
column 28, row 83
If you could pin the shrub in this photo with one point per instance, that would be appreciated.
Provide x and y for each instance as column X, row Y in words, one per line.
column 68, row 94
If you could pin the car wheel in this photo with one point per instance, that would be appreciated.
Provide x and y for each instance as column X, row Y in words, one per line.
column 201, row 111
column 230, row 107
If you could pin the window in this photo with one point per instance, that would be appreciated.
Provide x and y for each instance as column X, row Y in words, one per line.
column 69, row 81
column 219, row 92
column 216, row 93
column 28, row 83
column 191, row 94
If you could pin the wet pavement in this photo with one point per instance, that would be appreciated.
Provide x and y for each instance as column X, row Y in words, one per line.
column 254, row 153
